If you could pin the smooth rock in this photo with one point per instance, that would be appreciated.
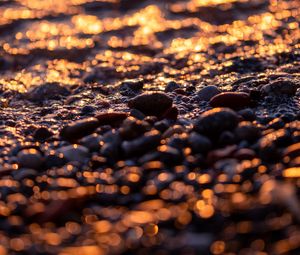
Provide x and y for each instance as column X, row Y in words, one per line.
column 142, row 144
column 280, row 87
column 30, row 158
column 79, row 129
column 152, row 103
column 208, row 92
column 232, row 100
column 75, row 152
column 247, row 131
column 134, row 84
column 42, row 134
column 199, row 143
column 47, row 91
column 111, row 118
column 171, row 86
column 215, row 121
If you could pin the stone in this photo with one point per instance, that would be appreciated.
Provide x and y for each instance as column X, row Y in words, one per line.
column 280, row 87
column 234, row 100
column 111, row 118
column 199, row 143
column 215, row 121
column 171, row 86
column 30, row 158
column 47, row 91
column 79, row 129
column 75, row 152
column 208, row 92
column 42, row 134
column 151, row 103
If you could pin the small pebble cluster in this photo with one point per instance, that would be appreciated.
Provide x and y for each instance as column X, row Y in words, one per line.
column 158, row 130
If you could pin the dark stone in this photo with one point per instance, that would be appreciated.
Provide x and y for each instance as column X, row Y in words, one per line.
column 77, row 153
column 247, row 131
column 30, row 158
column 171, row 86
column 111, row 118
column 79, row 129
column 152, row 103
column 199, row 143
column 233, row 100
column 42, row 134
column 280, row 87
column 215, row 121
column 135, row 85
column 142, row 144
column 208, row 92
column 47, row 91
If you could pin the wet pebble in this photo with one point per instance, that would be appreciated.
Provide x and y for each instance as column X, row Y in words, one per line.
column 75, row 152
column 233, row 100
column 152, row 103
column 247, row 114
column 42, row 133
column 215, row 121
column 247, row 131
column 79, row 129
column 47, row 91
column 111, row 118
column 171, row 86
column 199, row 143
column 280, row 87
column 208, row 92
column 134, row 84
column 30, row 158
column 142, row 144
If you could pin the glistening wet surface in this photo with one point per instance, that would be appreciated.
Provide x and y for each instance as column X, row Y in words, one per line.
column 149, row 127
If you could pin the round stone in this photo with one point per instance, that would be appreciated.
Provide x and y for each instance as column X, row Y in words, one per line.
column 30, row 158
column 151, row 103
column 208, row 92
column 215, row 121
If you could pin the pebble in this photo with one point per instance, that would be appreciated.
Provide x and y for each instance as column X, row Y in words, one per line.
column 88, row 109
column 234, row 100
column 208, row 92
column 171, row 86
column 111, row 118
column 171, row 114
column 75, row 152
column 79, row 129
column 176, row 129
column 92, row 142
column 247, row 131
column 133, row 128
column 47, row 91
column 134, row 84
column 280, row 87
column 30, row 158
column 152, row 103
column 142, row 144
column 23, row 173
column 42, row 134
column 199, row 143
column 247, row 114
column 169, row 155
column 215, row 121
column 137, row 114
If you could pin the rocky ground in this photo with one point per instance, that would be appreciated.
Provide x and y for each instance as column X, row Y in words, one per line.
column 149, row 127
